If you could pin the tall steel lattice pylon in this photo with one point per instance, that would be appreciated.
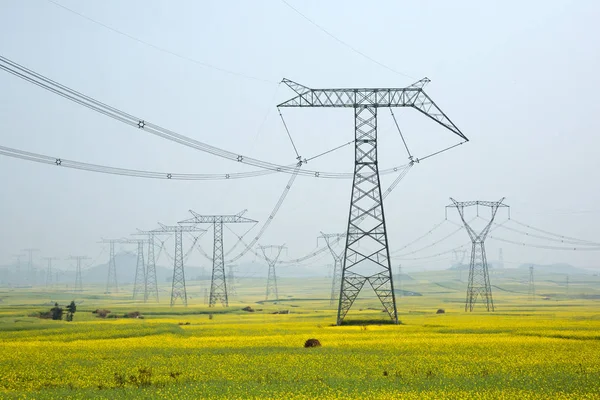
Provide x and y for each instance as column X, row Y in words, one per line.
column 78, row 281
column 531, row 291
column 479, row 277
column 178, row 289
column 18, row 278
column 111, row 279
column 272, row 275
column 30, row 268
column 150, row 283
column 139, row 285
column 366, row 254
column 218, row 284
column 337, row 264
column 231, row 290
column 49, row 270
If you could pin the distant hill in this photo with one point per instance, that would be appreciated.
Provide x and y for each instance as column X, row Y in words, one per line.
column 559, row 268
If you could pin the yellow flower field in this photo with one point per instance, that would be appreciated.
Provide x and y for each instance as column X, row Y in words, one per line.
column 519, row 353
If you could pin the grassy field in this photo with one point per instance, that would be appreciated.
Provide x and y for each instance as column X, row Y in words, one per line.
column 549, row 348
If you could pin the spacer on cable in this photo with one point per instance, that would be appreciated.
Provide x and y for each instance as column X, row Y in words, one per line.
column 317, row 174
column 141, row 124
column 169, row 176
column 227, row 176
column 58, row 161
column 240, row 158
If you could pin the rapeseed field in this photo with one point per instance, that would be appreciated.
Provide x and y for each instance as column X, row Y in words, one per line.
column 545, row 351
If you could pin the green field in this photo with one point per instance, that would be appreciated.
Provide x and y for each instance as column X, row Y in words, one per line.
column 548, row 348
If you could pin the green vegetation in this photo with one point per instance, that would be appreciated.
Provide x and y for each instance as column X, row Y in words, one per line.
column 542, row 349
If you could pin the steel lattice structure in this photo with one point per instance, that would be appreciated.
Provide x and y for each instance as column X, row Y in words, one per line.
column 49, row 270
column 30, row 269
column 178, row 290
column 218, row 284
column 337, row 265
column 140, row 282
column 272, row 276
column 366, row 221
column 479, row 277
column 231, row 291
column 150, row 283
column 111, row 280
column 531, row 291
column 78, row 281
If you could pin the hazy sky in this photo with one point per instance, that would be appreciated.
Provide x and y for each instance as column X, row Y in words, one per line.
column 520, row 79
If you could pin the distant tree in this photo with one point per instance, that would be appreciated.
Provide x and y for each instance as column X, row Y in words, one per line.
column 57, row 312
column 71, row 308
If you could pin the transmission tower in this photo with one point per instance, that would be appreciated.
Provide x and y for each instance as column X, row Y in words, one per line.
column 150, row 282
column 218, row 284
column 272, row 261
column 531, row 285
column 30, row 269
column 139, row 285
column 500, row 259
column 366, row 221
column 567, row 286
column 49, row 270
column 18, row 278
column 231, row 280
column 337, row 264
column 78, row 282
column 479, row 278
column 111, row 280
column 178, row 290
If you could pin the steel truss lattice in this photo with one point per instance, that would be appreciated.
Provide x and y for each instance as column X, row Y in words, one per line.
column 272, row 276
column 366, row 254
column 78, row 281
column 337, row 265
column 479, row 277
column 178, row 289
column 218, row 285
column 150, row 281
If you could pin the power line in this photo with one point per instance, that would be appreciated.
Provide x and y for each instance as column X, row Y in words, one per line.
column 340, row 41
column 162, row 49
column 139, row 123
column 557, row 235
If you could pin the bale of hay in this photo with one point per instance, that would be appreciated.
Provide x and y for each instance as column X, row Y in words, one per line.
column 312, row 343
column 248, row 309
column 440, row 311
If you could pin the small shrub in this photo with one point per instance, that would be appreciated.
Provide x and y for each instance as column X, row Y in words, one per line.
column 440, row 311
column 312, row 343
column 133, row 314
column 248, row 309
column 101, row 313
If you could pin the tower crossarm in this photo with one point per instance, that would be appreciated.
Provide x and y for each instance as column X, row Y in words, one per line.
column 337, row 237
column 278, row 249
column 412, row 96
column 176, row 228
column 494, row 206
column 213, row 219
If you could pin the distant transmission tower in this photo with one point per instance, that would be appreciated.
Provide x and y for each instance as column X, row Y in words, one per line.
column 111, row 280
column 49, row 270
column 178, row 290
column 78, row 281
column 218, row 284
column 531, row 285
column 500, row 260
column 30, row 269
column 366, row 220
column 479, row 278
column 140, row 282
column 231, row 280
column 337, row 264
column 567, row 286
column 151, row 282
column 272, row 276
